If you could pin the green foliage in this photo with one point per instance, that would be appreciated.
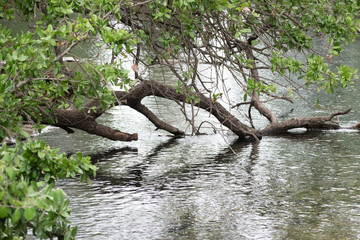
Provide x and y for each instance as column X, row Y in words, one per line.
column 347, row 74
column 216, row 96
column 190, row 93
column 179, row 87
column 259, row 87
column 27, row 194
column 278, row 31
column 33, row 74
column 34, row 82
column 319, row 73
column 282, row 64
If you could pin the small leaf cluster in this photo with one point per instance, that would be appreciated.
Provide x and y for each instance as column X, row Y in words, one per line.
column 191, row 96
column 281, row 64
column 259, row 87
column 319, row 73
column 190, row 93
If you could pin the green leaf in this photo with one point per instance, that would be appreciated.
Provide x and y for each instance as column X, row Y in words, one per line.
column 41, row 155
column 24, row 133
column 79, row 155
column 39, row 31
column 245, row 30
column 16, row 216
column 4, row 211
column 10, row 172
column 47, row 177
column 43, row 205
column 74, row 231
column 30, row 213
column 2, row 87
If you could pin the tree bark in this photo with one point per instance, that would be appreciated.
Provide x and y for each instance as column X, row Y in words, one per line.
column 319, row 123
column 82, row 120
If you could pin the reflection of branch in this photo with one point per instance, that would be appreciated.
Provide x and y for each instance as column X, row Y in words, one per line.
column 249, row 168
column 250, row 118
column 135, row 172
column 234, row 148
column 254, row 154
column 99, row 157
column 212, row 125
column 68, row 130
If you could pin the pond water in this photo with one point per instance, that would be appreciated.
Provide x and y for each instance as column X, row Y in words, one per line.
column 300, row 186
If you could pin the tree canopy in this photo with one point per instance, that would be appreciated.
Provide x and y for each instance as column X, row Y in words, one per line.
column 268, row 48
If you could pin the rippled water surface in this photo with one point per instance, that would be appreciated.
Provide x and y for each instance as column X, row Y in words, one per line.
column 302, row 186
column 306, row 186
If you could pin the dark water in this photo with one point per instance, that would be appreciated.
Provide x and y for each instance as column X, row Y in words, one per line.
column 302, row 186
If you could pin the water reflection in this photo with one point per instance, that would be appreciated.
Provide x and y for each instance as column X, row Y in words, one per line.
column 133, row 175
column 296, row 186
column 268, row 190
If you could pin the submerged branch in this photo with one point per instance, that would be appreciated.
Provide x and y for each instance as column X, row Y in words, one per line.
column 315, row 123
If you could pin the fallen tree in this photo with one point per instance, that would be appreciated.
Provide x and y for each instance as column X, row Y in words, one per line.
column 247, row 40
column 261, row 50
column 86, row 121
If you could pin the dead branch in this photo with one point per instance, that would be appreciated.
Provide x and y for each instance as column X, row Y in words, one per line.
column 318, row 123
